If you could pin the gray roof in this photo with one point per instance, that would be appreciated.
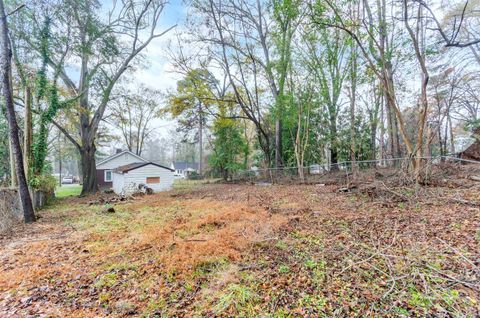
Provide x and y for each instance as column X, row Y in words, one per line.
column 136, row 165
column 181, row 165
column 119, row 154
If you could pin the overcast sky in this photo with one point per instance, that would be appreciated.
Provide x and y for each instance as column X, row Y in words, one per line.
column 159, row 73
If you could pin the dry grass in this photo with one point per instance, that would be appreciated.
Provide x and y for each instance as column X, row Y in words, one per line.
column 157, row 233
column 214, row 230
column 244, row 250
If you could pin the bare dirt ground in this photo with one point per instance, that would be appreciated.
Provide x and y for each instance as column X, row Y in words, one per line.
column 250, row 251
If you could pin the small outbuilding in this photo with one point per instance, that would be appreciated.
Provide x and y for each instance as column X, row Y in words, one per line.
column 128, row 178
column 106, row 167
column 472, row 152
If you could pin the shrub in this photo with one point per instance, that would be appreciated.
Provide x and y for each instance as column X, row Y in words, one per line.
column 45, row 184
column 194, row 176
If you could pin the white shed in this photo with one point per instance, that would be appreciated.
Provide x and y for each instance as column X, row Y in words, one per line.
column 127, row 178
column 105, row 167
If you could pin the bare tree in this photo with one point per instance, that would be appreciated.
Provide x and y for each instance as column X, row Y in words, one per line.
column 327, row 59
column 239, row 34
column 459, row 17
column 379, row 61
column 132, row 113
column 252, row 46
column 103, row 51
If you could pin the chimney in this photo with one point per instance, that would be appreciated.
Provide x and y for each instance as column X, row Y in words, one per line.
column 118, row 150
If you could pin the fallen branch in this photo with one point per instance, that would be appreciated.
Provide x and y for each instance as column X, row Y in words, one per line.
column 465, row 202
column 267, row 239
column 249, row 267
column 460, row 254
column 470, row 284
column 399, row 195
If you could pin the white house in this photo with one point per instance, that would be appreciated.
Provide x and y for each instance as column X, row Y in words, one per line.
column 106, row 166
column 127, row 178
column 183, row 169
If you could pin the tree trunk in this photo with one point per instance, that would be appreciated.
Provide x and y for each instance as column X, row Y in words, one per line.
column 390, row 129
column 89, row 171
column 442, row 144
column 398, row 145
column 373, row 138
column 334, row 158
column 395, row 150
column 200, row 139
column 333, row 139
column 428, row 143
column 352, row 124
column 59, row 169
column 278, row 143
column 299, row 151
column 13, row 175
column 79, row 168
column 59, row 162
column 452, row 141
column 382, row 130
column 355, row 11
column 28, row 134
column 395, row 114
column 6, row 73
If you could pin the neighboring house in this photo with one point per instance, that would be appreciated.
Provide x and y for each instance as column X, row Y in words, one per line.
column 183, row 169
column 127, row 178
column 106, row 166
column 473, row 151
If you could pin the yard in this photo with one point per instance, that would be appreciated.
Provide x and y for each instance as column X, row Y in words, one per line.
column 247, row 251
column 68, row 190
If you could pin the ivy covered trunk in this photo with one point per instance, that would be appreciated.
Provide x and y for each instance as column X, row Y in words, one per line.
column 28, row 132
column 89, row 173
column 7, row 92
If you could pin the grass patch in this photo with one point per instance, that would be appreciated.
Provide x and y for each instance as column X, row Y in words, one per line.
column 185, row 184
column 68, row 191
column 107, row 280
column 237, row 299
column 283, row 269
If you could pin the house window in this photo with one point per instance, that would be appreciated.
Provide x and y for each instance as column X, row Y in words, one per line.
column 108, row 175
column 151, row 180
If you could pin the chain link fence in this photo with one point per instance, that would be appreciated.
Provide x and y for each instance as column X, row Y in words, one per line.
column 347, row 171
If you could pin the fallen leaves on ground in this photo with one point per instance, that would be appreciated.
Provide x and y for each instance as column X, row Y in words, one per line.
column 246, row 250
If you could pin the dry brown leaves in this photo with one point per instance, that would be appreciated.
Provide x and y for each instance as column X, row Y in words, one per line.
column 221, row 230
column 362, row 252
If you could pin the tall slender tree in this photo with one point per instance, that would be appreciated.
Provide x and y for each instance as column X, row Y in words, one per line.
column 7, row 92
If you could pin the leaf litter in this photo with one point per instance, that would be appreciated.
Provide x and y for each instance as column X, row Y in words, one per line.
column 243, row 250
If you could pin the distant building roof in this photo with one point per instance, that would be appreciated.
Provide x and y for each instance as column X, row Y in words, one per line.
column 472, row 152
column 181, row 165
column 136, row 165
column 118, row 154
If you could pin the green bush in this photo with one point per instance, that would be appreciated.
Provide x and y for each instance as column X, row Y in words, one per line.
column 194, row 176
column 45, row 183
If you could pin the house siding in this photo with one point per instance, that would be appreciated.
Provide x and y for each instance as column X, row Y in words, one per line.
column 123, row 159
column 101, row 179
column 118, row 182
column 139, row 176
